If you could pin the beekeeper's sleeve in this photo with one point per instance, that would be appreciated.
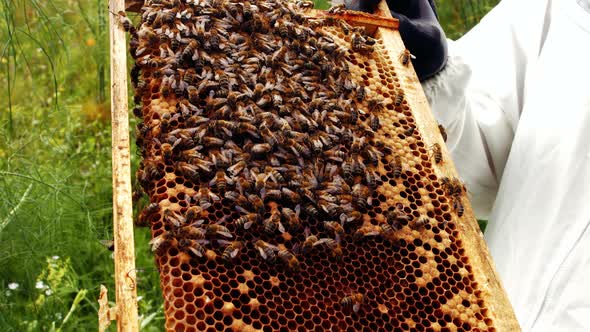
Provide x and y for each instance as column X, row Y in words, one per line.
column 479, row 94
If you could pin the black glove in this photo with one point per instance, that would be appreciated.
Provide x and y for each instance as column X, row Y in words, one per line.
column 420, row 31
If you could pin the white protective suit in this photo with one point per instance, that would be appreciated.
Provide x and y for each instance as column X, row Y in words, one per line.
column 515, row 100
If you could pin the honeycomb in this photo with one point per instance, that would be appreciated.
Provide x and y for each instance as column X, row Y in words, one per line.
column 290, row 187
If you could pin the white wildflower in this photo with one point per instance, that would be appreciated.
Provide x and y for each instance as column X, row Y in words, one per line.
column 13, row 285
column 55, row 257
column 48, row 292
column 139, row 298
column 40, row 285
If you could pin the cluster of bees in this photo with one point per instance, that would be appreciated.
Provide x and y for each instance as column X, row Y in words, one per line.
column 268, row 120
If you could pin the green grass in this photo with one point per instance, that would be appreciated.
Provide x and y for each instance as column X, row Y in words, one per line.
column 458, row 16
column 55, row 168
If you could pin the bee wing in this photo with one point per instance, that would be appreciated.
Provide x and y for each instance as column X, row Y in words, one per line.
column 296, row 248
column 281, row 228
column 241, row 209
column 356, row 307
column 344, row 219
column 109, row 244
column 198, row 223
column 196, row 252
column 155, row 243
column 262, row 253
column 248, row 224
column 223, row 242
column 321, row 241
column 213, row 181
column 226, row 234
column 227, row 131
column 234, row 252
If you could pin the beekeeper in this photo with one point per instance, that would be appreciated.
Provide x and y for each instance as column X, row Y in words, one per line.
column 514, row 97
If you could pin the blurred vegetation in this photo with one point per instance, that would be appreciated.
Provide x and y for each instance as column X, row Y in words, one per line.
column 55, row 168
column 459, row 16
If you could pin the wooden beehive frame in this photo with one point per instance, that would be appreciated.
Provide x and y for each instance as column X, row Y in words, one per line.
column 383, row 27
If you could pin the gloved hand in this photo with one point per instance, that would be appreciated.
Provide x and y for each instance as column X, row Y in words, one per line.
column 420, row 31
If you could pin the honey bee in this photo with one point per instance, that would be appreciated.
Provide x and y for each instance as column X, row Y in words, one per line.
column 212, row 142
column 374, row 122
column 305, row 4
column 396, row 166
column 174, row 218
column 289, row 259
column 194, row 247
column 165, row 120
column 266, row 250
column 291, row 217
column 190, row 171
column 309, row 241
column 189, row 51
column 160, row 243
column 311, row 210
column 351, row 217
column 352, row 303
column 271, row 194
column 405, row 57
column 221, row 180
column 399, row 98
column 387, row 231
column 361, row 196
column 272, row 223
column 166, row 151
column 437, row 153
column 126, row 22
column 261, row 148
column 371, row 178
column 169, row 15
column 397, row 215
column 108, row 244
column 420, row 223
column 192, row 231
column 443, row 132
column 152, row 208
column 192, row 213
column 205, row 197
column 336, row 228
column 361, row 92
column 337, row 9
column 283, row 28
column 138, row 112
column 256, row 202
column 247, row 220
column 359, row 43
column 347, row 170
column 458, row 206
column 231, row 250
column 409, row 131
column 332, row 245
column 299, row 149
column 357, row 145
column 216, row 229
column 290, row 195
column 366, row 231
